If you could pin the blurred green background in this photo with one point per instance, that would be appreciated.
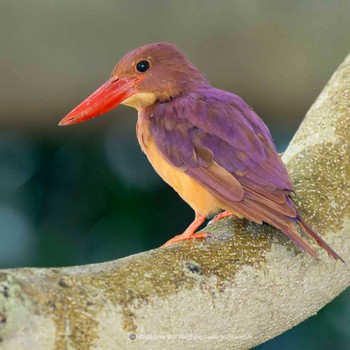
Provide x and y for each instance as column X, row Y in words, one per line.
column 87, row 194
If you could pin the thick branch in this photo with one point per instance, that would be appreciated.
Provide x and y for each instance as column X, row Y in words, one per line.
column 236, row 291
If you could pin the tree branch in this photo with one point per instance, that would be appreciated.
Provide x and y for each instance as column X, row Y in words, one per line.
column 236, row 291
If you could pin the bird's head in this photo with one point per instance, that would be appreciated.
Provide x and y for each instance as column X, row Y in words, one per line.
column 155, row 72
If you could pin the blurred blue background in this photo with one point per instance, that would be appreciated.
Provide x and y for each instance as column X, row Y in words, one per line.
column 87, row 194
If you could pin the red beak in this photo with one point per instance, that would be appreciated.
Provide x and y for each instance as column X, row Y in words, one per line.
column 106, row 97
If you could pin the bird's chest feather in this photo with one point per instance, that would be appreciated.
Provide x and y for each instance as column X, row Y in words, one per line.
column 198, row 197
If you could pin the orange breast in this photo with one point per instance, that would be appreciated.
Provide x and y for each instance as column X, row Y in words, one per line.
column 198, row 197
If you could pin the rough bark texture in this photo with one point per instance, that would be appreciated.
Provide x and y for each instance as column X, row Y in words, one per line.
column 233, row 292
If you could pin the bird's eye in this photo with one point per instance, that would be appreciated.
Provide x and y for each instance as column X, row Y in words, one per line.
column 142, row 66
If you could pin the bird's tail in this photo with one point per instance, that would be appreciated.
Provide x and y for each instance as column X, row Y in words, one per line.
column 310, row 232
column 292, row 233
column 283, row 216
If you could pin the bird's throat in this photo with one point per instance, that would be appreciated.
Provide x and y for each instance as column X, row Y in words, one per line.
column 140, row 100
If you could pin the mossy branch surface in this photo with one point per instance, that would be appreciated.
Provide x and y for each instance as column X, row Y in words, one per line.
column 236, row 291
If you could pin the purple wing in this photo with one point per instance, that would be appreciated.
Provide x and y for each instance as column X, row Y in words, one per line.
column 211, row 125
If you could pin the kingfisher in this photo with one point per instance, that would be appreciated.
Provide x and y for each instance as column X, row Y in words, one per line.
column 206, row 143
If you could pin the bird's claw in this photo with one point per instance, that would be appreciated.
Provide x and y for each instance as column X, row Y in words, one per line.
column 184, row 237
column 222, row 215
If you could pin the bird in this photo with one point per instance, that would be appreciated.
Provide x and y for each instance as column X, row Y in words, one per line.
column 206, row 143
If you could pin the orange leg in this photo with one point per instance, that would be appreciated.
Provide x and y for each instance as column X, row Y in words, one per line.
column 189, row 232
column 223, row 214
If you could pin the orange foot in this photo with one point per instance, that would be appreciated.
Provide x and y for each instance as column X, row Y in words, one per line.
column 223, row 214
column 189, row 232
